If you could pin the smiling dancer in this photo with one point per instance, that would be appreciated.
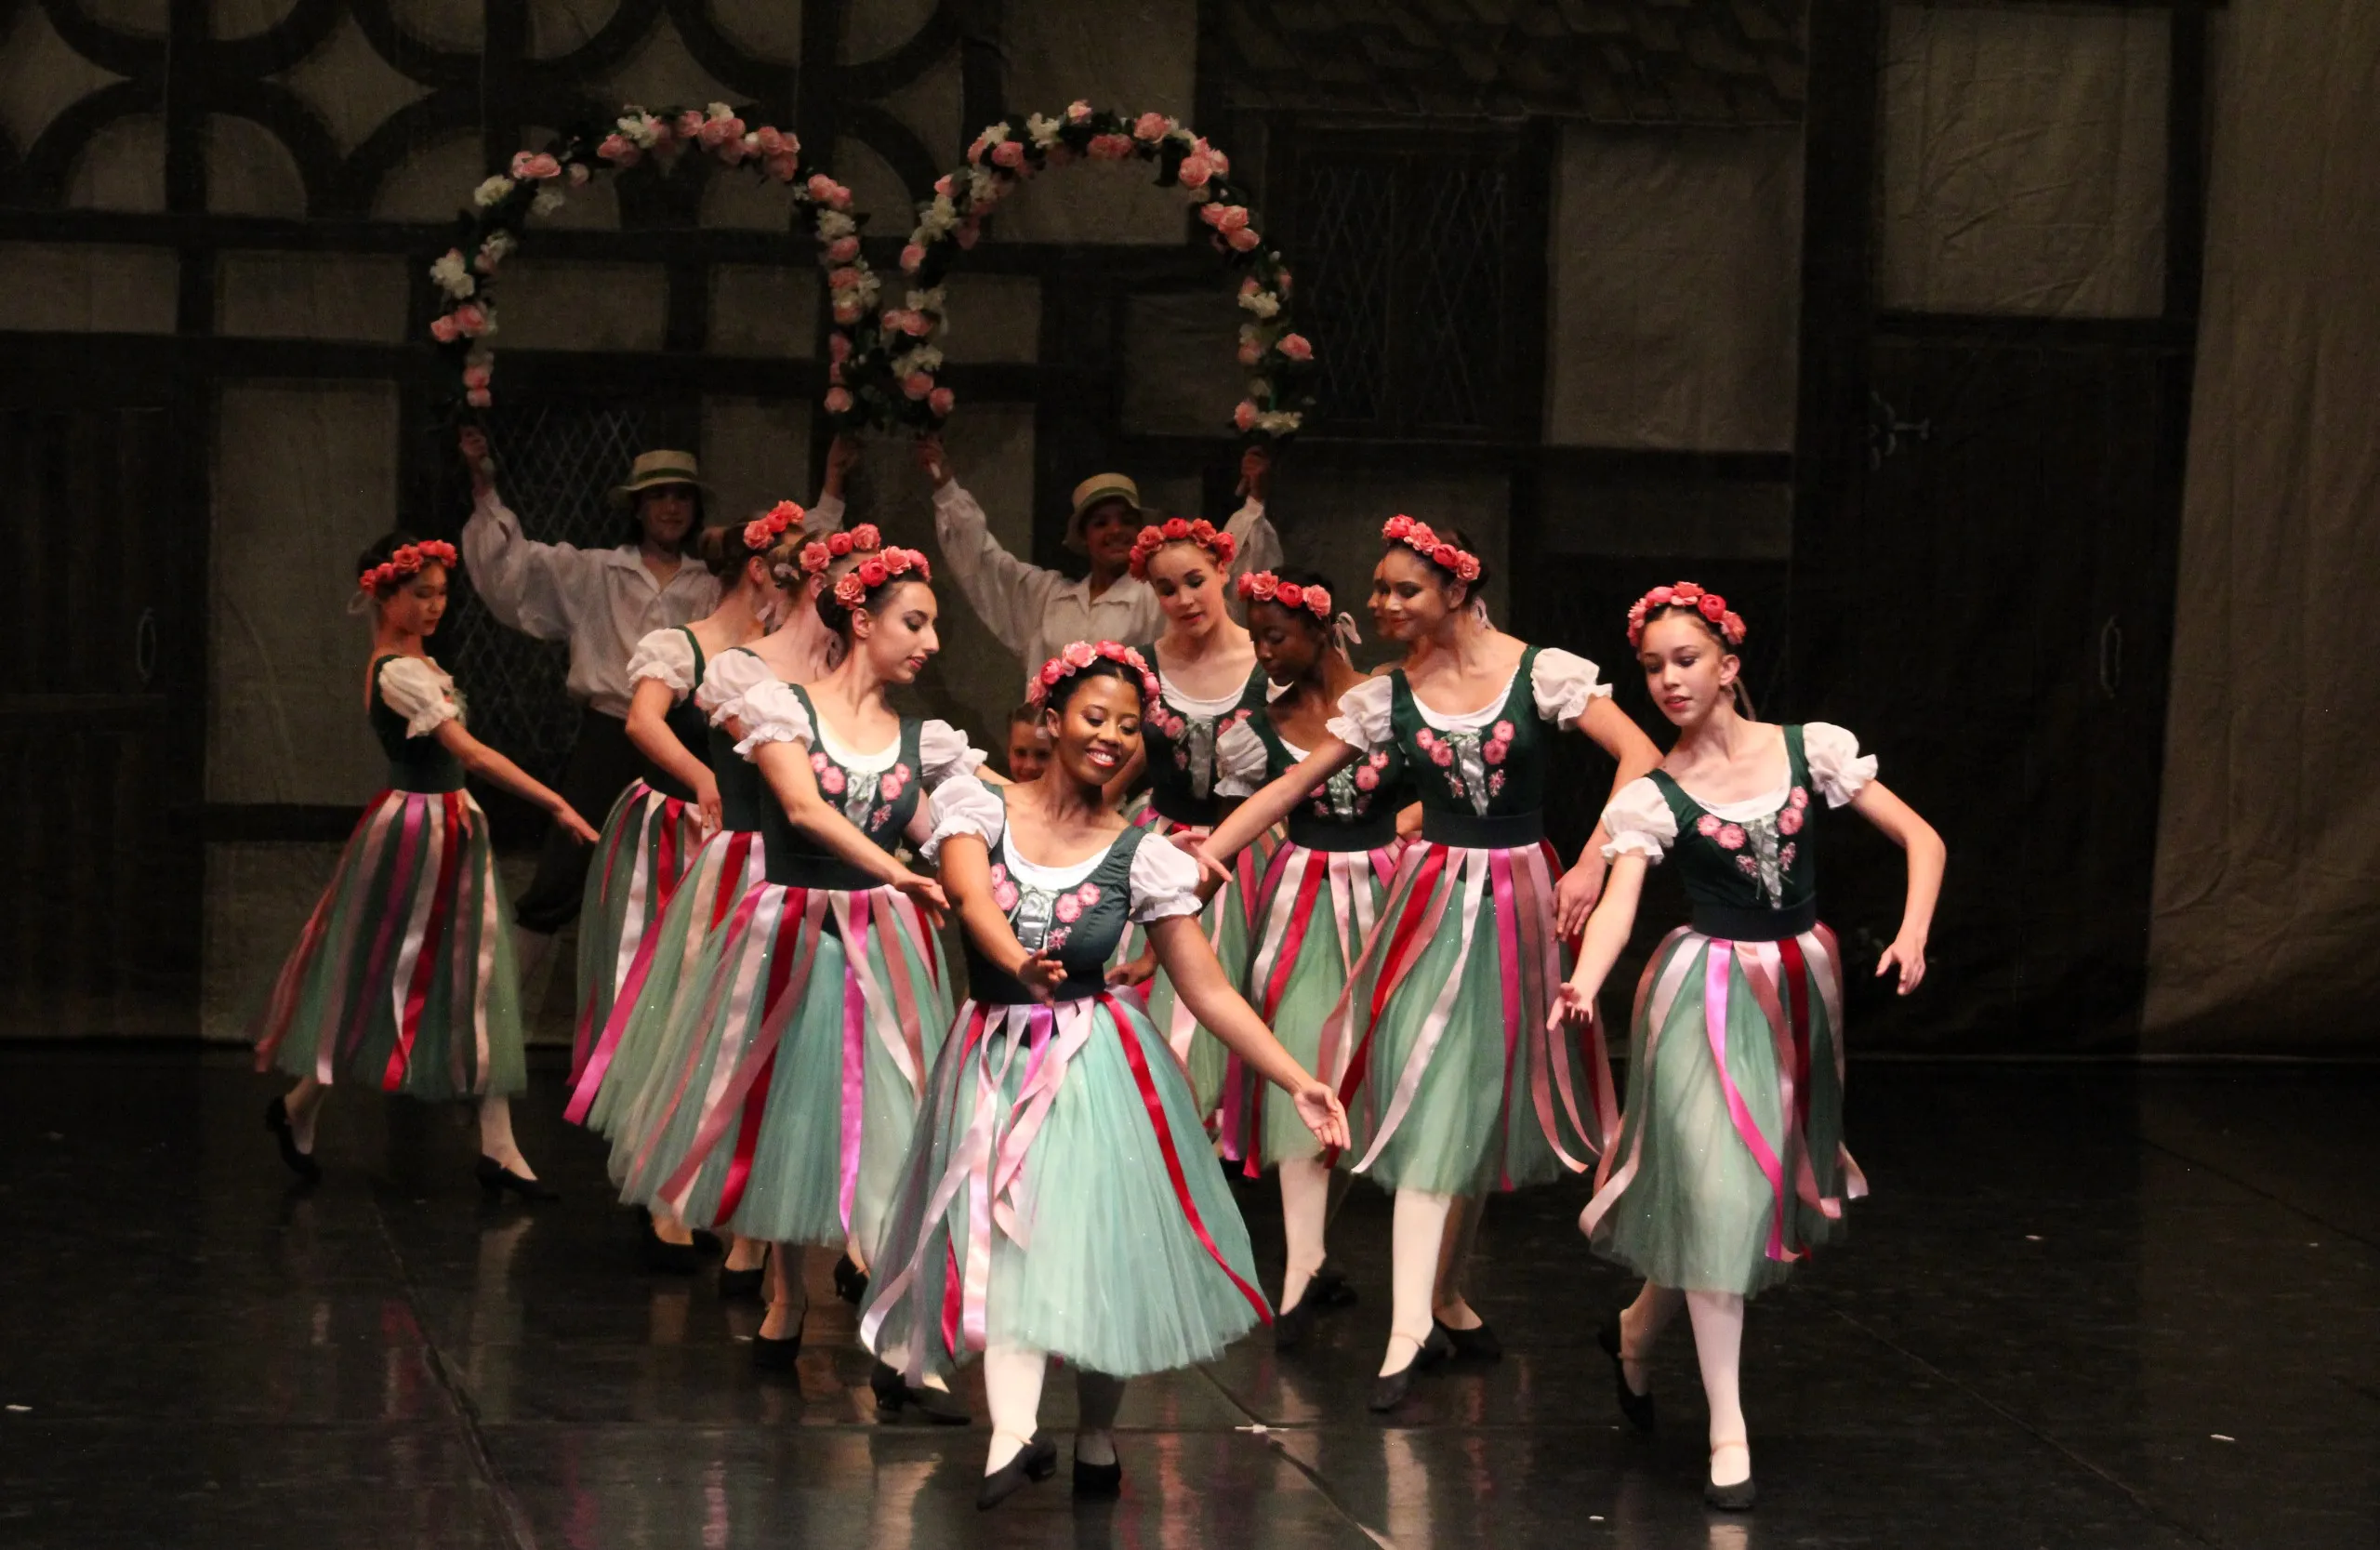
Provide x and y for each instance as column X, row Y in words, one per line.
column 784, row 1101
column 1730, row 1163
column 1036, row 1218
column 402, row 978
column 1454, row 1087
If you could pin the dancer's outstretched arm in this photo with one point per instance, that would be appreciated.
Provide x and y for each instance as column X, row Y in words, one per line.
column 1928, row 857
column 1607, row 935
column 1614, row 732
column 653, row 739
column 785, row 766
column 1190, row 963
column 1273, row 802
column 488, row 764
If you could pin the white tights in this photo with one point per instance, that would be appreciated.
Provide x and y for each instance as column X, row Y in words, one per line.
column 1012, row 1391
column 1305, row 1212
column 1429, row 1256
column 304, row 1102
column 1718, row 1320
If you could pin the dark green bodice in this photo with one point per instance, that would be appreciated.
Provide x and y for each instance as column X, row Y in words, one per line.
column 692, row 727
column 414, row 763
column 1753, row 880
column 1482, row 789
column 880, row 805
column 1081, row 926
column 743, row 796
column 1355, row 809
column 1182, row 752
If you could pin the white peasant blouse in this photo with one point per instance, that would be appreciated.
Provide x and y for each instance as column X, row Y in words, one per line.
column 1163, row 883
column 421, row 691
column 1640, row 823
column 669, row 655
column 1561, row 683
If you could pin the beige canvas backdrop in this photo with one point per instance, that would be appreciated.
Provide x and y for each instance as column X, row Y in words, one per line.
column 2267, row 887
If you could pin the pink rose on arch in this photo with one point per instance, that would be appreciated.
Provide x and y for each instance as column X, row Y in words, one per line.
column 839, row 401
column 913, row 257
column 1296, row 347
column 1244, row 416
column 1009, row 154
column 1251, row 353
column 970, row 233
column 847, row 278
column 1149, row 126
column 443, row 329
column 1244, row 239
column 580, row 174
column 847, row 310
column 1367, row 778
column 941, row 400
column 1790, row 821
column 1068, row 909
column 1078, row 112
column 916, row 325
column 1731, row 837
column 838, row 347
column 1196, row 170
column 784, row 166
column 1231, row 218
column 770, row 140
column 470, row 320
column 1110, row 148
column 830, row 781
column 842, row 250
column 1079, row 654
column 690, row 124
column 478, row 398
column 477, row 374
column 916, row 384
column 1707, row 826
column 616, row 149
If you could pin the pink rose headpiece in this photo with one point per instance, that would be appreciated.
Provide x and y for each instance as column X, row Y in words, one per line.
column 881, row 566
column 820, row 554
column 1461, row 564
column 1687, row 594
column 760, row 533
column 1264, row 586
column 1080, row 654
column 1220, row 546
column 407, row 561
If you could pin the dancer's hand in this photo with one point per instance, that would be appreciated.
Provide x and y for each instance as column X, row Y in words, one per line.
column 842, row 455
column 707, row 802
column 1255, row 473
column 1320, row 1108
column 1907, row 954
column 1572, row 1005
column 1041, row 973
column 1574, row 895
column 473, row 441
column 573, row 824
column 931, row 458
column 925, row 891
column 1135, row 970
column 1210, row 868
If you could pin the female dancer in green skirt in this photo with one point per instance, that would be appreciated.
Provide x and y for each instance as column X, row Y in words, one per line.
column 1730, row 1162
column 402, row 978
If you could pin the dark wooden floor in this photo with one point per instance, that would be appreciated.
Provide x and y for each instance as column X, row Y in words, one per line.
column 2088, row 1306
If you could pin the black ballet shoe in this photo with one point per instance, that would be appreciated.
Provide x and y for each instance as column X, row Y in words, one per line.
column 740, row 1285
column 708, row 1244
column 892, row 1391
column 851, row 1282
column 666, row 1258
column 1478, row 1344
column 770, row 1355
column 1038, row 1461
column 1293, row 1326
column 1328, row 1290
column 1390, row 1389
column 276, row 1119
column 1738, row 1497
column 1637, row 1408
column 1098, row 1482
column 495, row 1178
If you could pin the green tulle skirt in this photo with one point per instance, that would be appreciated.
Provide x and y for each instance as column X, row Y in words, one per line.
column 648, row 842
column 1726, row 1174
column 1092, row 1224
column 781, row 1103
column 402, row 978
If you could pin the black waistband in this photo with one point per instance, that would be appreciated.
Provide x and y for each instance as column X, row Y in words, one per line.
column 1181, row 807
column 1317, row 833
column 1510, row 831
column 424, row 783
column 667, row 784
column 1730, row 923
column 801, row 870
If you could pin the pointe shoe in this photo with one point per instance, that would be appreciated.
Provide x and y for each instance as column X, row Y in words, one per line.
column 495, row 1178
column 1330, row 1289
column 772, row 1355
column 1389, row 1390
column 276, row 1119
column 1038, row 1461
column 1098, row 1482
column 1473, row 1345
column 892, row 1391
column 1637, row 1408
column 1738, row 1497
column 851, row 1282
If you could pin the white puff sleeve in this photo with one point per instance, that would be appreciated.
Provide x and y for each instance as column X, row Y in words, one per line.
column 1164, row 881
column 1836, row 761
column 1639, row 822
column 1240, row 760
column 668, row 654
column 964, row 805
column 420, row 692
column 1363, row 718
column 771, row 712
column 730, row 676
column 943, row 752
column 1563, row 683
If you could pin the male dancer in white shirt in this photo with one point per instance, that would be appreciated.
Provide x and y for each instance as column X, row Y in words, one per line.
column 1034, row 612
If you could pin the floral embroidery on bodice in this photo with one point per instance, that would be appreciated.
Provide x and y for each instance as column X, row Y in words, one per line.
column 1760, row 846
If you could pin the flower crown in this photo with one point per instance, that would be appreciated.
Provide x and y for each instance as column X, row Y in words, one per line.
column 819, row 553
column 760, row 533
column 1218, row 545
column 1264, row 586
column 1461, row 564
column 407, row 561
column 1687, row 594
column 1082, row 654
column 881, row 566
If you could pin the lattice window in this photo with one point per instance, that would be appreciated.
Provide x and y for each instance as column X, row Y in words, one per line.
column 554, row 461
column 1405, row 260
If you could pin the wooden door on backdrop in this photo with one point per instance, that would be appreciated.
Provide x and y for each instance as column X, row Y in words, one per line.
column 101, row 868
column 1995, row 609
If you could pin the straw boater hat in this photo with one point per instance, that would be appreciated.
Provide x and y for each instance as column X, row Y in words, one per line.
column 663, row 467
column 1089, row 492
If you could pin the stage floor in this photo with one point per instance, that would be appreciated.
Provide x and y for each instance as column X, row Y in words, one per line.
column 2087, row 1306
